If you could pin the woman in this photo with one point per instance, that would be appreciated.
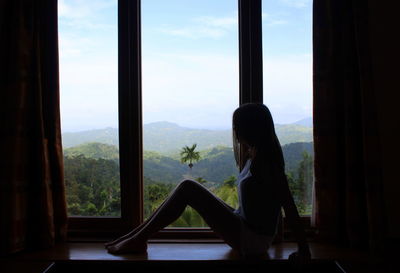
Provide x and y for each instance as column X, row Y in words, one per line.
column 262, row 190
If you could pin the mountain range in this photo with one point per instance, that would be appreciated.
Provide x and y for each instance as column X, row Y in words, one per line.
column 168, row 138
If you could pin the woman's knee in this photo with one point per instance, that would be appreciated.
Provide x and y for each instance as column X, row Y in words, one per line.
column 190, row 187
column 187, row 184
column 185, row 190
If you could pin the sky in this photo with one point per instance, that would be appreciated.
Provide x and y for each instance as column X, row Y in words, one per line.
column 190, row 72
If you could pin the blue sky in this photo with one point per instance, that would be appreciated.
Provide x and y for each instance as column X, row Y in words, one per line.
column 190, row 61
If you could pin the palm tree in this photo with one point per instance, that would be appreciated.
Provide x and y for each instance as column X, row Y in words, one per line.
column 201, row 180
column 189, row 155
column 230, row 181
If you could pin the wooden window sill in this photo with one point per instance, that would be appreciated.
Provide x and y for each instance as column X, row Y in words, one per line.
column 187, row 253
column 185, row 250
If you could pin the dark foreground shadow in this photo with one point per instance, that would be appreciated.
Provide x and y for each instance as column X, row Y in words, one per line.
column 244, row 266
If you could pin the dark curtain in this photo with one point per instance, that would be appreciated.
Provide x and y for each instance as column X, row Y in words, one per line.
column 32, row 193
column 349, row 205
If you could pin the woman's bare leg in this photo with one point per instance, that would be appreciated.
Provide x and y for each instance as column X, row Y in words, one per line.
column 136, row 229
column 214, row 211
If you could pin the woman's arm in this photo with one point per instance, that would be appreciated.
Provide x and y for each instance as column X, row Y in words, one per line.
column 293, row 217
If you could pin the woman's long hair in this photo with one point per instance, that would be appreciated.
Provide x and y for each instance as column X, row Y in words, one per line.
column 252, row 123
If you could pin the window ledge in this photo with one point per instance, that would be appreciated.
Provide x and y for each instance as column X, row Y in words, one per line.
column 178, row 251
column 176, row 256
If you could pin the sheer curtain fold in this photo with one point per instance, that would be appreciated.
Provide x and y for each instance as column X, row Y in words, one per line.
column 32, row 194
column 349, row 204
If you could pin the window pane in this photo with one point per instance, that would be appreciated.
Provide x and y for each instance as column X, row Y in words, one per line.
column 287, row 58
column 89, row 106
column 190, row 90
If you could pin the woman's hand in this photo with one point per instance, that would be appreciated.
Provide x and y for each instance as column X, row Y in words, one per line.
column 301, row 257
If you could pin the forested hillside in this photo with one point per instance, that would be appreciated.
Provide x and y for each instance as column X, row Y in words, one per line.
column 92, row 186
column 94, row 150
column 293, row 154
column 92, row 178
column 215, row 166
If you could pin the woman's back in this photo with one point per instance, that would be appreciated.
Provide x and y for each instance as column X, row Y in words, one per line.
column 259, row 204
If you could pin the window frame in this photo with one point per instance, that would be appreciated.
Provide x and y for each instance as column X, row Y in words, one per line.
column 130, row 133
column 130, row 121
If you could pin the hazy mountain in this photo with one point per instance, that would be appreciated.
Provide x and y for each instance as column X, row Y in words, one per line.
column 167, row 137
column 306, row 122
column 94, row 150
column 290, row 133
column 107, row 136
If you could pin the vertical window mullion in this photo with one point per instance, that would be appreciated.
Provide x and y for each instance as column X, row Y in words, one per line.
column 250, row 63
column 250, row 51
column 130, row 112
column 250, row 54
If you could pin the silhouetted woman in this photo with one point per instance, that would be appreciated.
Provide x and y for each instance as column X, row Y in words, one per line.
column 262, row 189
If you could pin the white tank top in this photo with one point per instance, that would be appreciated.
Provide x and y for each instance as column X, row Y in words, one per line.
column 245, row 173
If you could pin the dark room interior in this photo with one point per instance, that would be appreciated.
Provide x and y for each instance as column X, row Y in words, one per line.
column 355, row 225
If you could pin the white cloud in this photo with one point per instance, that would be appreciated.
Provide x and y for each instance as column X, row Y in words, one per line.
column 220, row 22
column 192, row 90
column 195, row 90
column 85, row 14
column 195, row 32
column 272, row 20
column 202, row 90
column 74, row 45
column 296, row 3
column 203, row 27
column 72, row 9
column 288, row 87
column 88, row 64
column 88, row 90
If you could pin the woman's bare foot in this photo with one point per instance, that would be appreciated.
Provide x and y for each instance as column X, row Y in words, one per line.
column 130, row 245
column 120, row 239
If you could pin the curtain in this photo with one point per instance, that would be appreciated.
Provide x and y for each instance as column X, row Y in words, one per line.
column 32, row 193
column 349, row 205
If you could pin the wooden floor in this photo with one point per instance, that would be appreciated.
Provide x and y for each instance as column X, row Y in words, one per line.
column 35, row 262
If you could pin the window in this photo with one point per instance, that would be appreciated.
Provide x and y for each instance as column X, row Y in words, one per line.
column 287, row 64
column 89, row 106
column 189, row 66
column 138, row 59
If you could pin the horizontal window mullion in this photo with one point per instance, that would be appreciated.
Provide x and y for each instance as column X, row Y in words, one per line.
column 79, row 226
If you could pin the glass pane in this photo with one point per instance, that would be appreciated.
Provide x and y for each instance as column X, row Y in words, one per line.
column 190, row 90
column 287, row 58
column 89, row 106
